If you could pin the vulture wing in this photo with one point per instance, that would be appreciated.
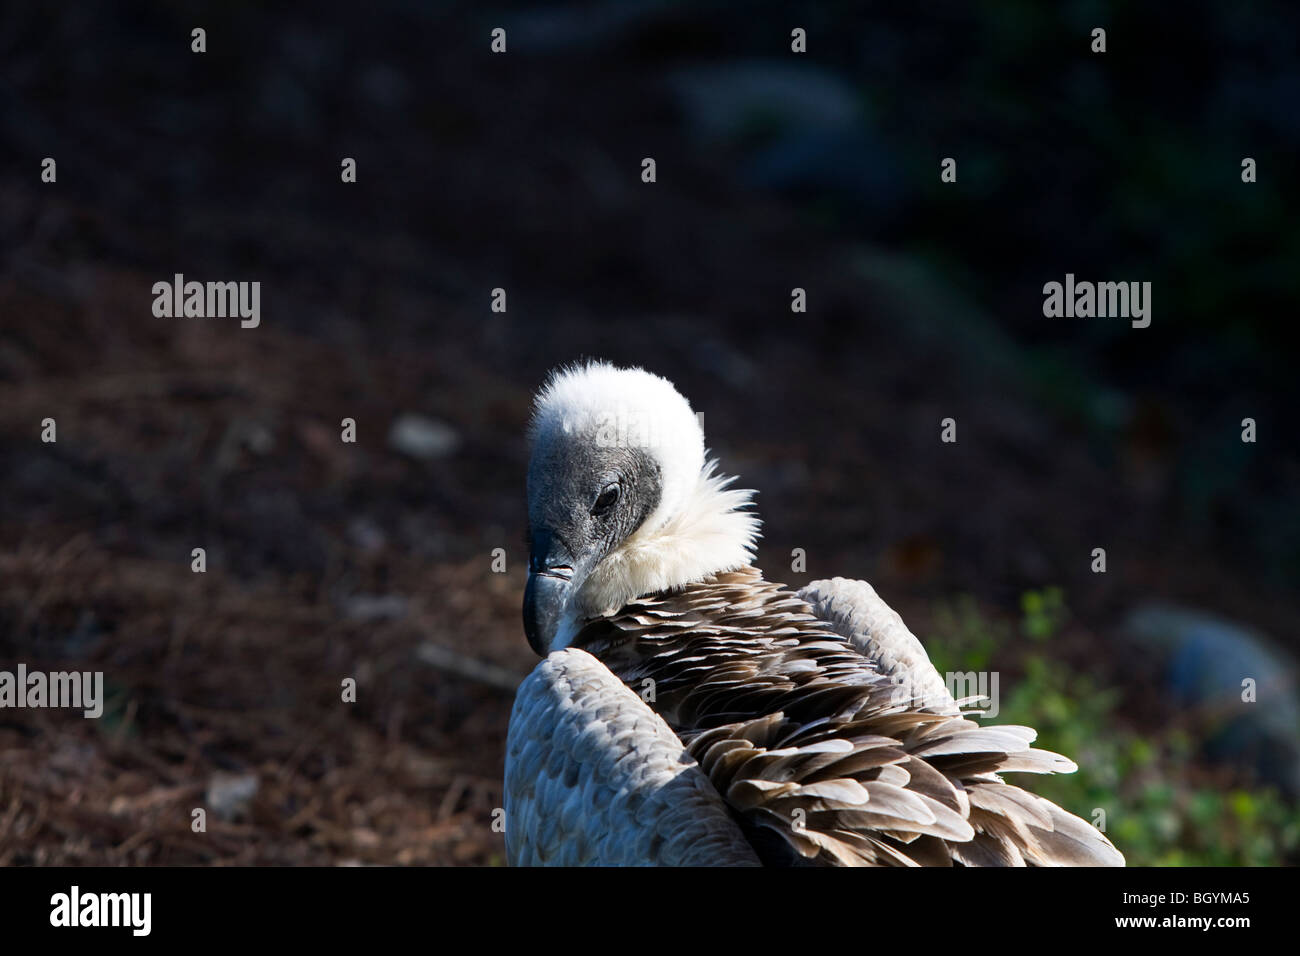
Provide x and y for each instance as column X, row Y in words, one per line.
column 807, row 737
column 594, row 776
column 856, row 612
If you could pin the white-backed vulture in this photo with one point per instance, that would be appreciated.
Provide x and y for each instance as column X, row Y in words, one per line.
column 689, row 712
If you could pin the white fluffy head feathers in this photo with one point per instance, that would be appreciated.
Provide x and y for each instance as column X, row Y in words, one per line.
column 593, row 418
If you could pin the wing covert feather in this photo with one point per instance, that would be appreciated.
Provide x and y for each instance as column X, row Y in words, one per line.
column 857, row 613
column 822, row 757
column 595, row 777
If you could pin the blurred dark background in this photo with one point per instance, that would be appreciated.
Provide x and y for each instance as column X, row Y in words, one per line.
column 521, row 171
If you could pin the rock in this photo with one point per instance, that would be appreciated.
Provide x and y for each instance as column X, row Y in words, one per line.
column 366, row 535
column 805, row 132
column 384, row 88
column 728, row 100
column 1206, row 658
column 423, row 438
column 375, row 607
column 848, row 167
column 229, row 795
column 565, row 28
column 720, row 359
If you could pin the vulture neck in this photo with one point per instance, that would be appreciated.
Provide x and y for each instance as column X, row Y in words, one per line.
column 711, row 533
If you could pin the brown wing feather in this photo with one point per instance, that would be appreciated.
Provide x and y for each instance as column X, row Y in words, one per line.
column 815, row 750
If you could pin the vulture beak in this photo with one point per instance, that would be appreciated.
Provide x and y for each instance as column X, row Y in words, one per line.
column 550, row 580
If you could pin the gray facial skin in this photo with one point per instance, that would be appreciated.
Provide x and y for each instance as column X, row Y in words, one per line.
column 583, row 501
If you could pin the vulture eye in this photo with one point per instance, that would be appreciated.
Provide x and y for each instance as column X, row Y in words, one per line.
column 606, row 500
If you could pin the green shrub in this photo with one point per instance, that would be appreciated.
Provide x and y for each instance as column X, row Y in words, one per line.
column 1162, row 806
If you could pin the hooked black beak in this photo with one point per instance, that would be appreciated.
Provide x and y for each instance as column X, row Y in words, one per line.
column 550, row 578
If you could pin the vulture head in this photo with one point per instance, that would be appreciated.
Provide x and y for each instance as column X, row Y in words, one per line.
column 622, row 500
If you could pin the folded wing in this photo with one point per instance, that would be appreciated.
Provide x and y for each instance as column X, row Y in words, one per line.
column 594, row 776
column 824, row 754
column 856, row 612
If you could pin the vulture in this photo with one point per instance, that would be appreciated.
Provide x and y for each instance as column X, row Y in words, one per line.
column 689, row 712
